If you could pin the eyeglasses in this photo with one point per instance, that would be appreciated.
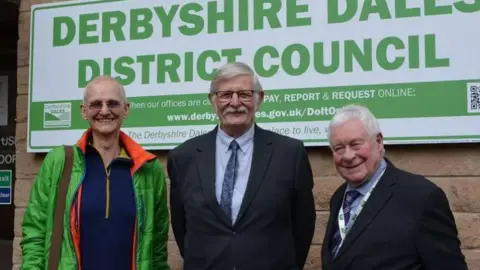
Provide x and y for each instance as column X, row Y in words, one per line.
column 97, row 105
column 243, row 95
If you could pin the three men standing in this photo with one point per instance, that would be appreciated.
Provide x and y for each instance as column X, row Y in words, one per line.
column 241, row 196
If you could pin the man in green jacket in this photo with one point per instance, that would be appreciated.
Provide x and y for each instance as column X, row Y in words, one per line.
column 116, row 216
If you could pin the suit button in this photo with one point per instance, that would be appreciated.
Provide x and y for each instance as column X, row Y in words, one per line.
column 234, row 233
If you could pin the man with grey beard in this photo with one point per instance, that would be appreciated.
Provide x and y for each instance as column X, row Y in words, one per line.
column 241, row 196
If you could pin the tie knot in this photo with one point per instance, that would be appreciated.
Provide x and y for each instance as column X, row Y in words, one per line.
column 351, row 195
column 234, row 145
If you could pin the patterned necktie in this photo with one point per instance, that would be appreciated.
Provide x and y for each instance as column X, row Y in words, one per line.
column 350, row 197
column 229, row 180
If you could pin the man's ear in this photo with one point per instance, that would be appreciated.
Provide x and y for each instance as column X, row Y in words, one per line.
column 259, row 99
column 211, row 98
column 379, row 140
column 127, row 109
column 83, row 110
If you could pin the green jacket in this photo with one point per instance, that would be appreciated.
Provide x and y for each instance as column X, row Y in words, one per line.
column 152, row 222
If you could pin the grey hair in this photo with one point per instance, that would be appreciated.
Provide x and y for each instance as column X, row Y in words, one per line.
column 351, row 112
column 231, row 70
column 98, row 79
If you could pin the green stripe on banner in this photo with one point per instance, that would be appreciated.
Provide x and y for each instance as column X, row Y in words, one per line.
column 409, row 100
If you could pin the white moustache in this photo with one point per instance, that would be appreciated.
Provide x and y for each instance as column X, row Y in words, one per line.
column 241, row 109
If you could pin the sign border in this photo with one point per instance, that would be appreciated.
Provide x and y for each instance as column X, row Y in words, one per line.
column 167, row 146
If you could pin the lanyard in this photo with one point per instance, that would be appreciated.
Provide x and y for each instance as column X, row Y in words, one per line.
column 341, row 220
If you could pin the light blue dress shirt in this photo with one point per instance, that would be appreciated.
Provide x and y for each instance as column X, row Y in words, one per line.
column 364, row 188
column 244, row 155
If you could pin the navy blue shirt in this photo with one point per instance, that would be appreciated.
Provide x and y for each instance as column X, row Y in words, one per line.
column 107, row 226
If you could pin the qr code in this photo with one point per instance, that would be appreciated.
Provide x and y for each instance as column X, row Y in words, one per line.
column 473, row 97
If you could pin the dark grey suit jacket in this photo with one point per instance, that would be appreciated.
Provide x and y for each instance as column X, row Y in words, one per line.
column 406, row 224
column 275, row 224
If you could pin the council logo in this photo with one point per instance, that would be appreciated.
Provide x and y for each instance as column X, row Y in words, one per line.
column 57, row 115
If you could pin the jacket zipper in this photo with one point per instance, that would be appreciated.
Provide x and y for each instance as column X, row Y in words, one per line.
column 107, row 195
column 76, row 221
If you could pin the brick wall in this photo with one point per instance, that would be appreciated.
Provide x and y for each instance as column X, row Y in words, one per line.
column 455, row 168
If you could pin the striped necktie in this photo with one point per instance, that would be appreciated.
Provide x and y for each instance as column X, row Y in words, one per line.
column 350, row 197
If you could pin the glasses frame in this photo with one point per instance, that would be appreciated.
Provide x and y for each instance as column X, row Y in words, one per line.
column 242, row 95
column 98, row 105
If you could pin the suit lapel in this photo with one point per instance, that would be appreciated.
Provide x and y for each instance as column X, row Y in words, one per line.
column 380, row 195
column 332, row 222
column 206, row 169
column 262, row 150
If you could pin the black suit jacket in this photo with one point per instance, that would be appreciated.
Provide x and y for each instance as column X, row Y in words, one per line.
column 275, row 224
column 405, row 224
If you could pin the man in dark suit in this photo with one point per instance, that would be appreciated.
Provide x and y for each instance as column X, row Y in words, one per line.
column 241, row 196
column 383, row 218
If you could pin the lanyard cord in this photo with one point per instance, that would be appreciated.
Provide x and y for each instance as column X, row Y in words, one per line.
column 345, row 228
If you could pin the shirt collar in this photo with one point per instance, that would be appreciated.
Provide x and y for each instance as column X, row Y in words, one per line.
column 365, row 187
column 244, row 141
column 123, row 152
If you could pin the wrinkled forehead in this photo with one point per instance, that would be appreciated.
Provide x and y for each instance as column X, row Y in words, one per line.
column 241, row 82
column 348, row 131
column 103, row 91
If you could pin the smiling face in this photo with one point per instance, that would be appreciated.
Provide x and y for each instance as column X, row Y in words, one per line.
column 235, row 103
column 356, row 154
column 104, row 107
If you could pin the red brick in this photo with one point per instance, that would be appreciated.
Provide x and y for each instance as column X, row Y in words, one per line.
column 323, row 189
column 174, row 259
column 22, row 109
column 473, row 259
column 320, row 228
column 462, row 192
column 25, row 5
column 428, row 160
column 24, row 39
column 468, row 225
